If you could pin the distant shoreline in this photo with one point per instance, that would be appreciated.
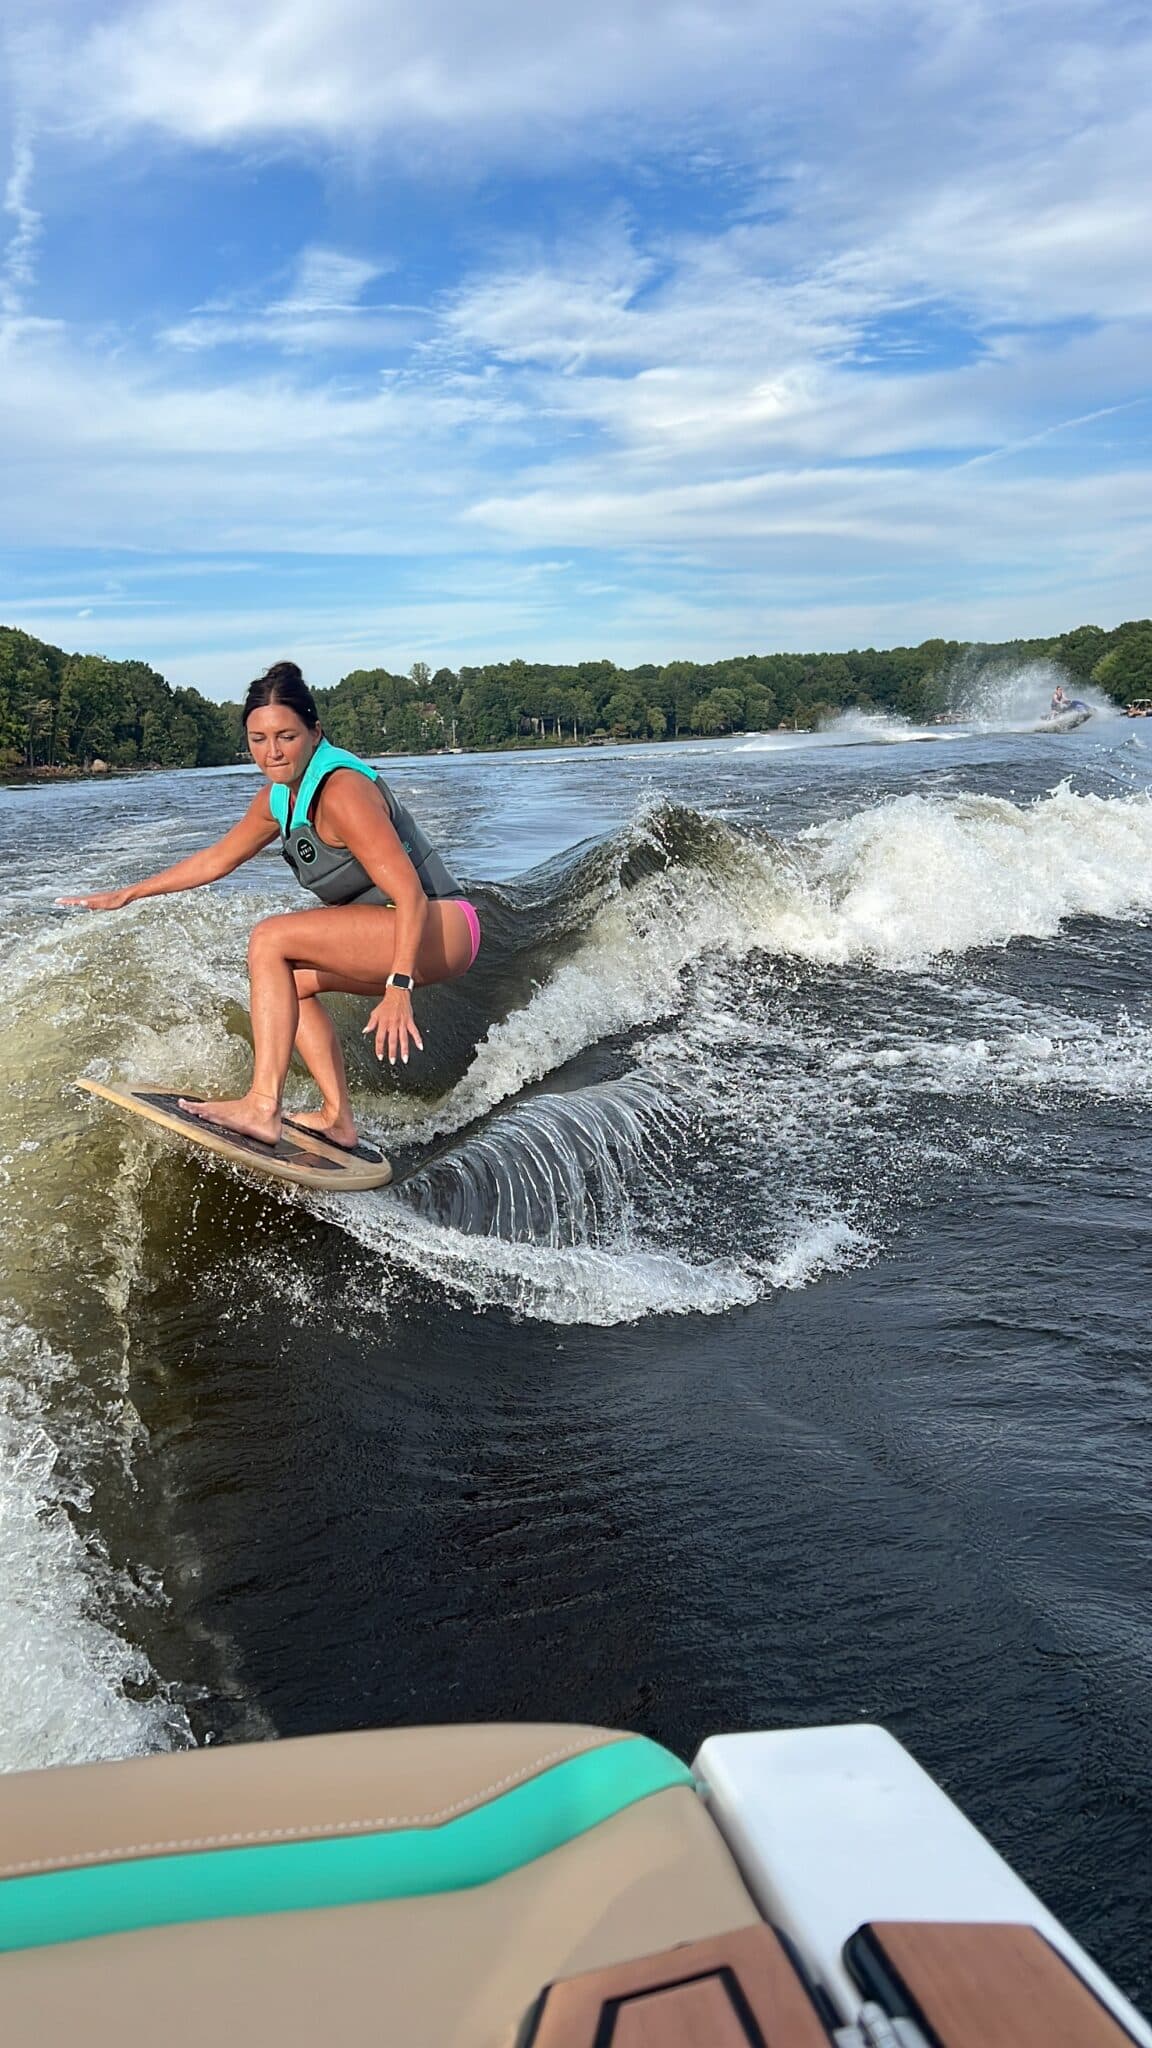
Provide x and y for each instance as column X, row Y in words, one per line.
column 62, row 715
column 19, row 778
column 22, row 778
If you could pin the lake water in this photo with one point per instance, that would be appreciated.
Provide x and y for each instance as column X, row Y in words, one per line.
column 756, row 1332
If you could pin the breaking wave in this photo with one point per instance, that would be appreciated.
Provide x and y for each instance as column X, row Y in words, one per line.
column 708, row 976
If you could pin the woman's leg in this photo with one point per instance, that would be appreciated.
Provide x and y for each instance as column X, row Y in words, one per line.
column 318, row 1044
column 337, row 945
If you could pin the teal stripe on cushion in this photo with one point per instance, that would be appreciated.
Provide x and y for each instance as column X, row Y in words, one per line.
column 288, row 1877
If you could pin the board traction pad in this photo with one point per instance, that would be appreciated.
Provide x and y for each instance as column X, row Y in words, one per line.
column 356, row 1151
column 307, row 1160
column 281, row 1149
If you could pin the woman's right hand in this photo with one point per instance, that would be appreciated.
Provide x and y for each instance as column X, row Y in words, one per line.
column 108, row 899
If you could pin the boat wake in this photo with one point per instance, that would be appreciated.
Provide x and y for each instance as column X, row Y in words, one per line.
column 693, row 1065
column 660, row 1089
column 717, row 1088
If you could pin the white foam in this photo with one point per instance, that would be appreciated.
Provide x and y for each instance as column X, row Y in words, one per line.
column 624, row 971
column 557, row 1210
column 567, row 1284
column 860, row 728
column 907, row 881
column 72, row 1690
column 829, row 1244
column 1025, row 1049
column 852, row 728
column 599, row 1207
column 894, row 885
column 82, row 991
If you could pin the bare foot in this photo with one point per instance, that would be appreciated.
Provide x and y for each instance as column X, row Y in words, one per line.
column 340, row 1128
column 254, row 1116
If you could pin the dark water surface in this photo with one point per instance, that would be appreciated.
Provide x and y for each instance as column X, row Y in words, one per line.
column 757, row 1333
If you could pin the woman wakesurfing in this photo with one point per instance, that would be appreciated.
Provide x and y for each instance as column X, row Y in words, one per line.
column 393, row 918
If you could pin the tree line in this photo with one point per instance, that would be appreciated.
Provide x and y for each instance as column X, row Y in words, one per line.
column 542, row 703
column 61, row 710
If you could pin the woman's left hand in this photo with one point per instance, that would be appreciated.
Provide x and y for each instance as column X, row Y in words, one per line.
column 394, row 1026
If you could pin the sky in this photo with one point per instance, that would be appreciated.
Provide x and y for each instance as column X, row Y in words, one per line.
column 365, row 333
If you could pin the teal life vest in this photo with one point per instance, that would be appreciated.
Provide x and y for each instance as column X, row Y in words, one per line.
column 332, row 872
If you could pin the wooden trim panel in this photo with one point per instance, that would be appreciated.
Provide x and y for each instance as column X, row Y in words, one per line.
column 993, row 1986
column 738, row 1990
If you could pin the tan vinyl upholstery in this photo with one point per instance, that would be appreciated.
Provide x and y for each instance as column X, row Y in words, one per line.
column 458, row 1970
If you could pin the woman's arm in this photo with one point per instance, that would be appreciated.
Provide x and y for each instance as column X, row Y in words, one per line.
column 255, row 829
column 352, row 811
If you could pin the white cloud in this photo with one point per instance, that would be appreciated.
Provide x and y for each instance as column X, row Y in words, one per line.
column 319, row 311
column 860, row 519
column 998, row 156
column 17, row 269
column 910, row 341
column 328, row 281
column 703, row 364
column 615, row 401
column 512, row 72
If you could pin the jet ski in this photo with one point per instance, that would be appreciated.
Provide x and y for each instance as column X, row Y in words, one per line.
column 1072, row 712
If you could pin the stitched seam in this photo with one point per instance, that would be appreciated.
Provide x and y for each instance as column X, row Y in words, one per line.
column 313, row 1831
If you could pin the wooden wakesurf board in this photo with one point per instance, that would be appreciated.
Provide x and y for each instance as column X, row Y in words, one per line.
column 302, row 1157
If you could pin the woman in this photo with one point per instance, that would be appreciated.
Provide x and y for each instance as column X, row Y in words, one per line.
column 393, row 917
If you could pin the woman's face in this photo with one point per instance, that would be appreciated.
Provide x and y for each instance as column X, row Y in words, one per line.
column 280, row 743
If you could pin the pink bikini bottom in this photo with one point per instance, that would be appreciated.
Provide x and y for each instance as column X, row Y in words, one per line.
column 473, row 926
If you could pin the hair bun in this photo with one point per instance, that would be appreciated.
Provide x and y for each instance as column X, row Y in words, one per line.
column 282, row 684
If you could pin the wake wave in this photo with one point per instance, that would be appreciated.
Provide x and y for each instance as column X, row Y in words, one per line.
column 851, row 728
column 656, row 1120
column 895, row 886
column 692, row 1066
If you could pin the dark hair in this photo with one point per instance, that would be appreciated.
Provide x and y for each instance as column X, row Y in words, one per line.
column 283, row 684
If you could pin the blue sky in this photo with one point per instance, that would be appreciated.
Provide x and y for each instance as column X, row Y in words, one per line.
column 366, row 333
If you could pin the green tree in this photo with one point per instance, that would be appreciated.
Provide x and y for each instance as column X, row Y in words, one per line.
column 1081, row 649
column 625, row 714
column 721, row 711
column 584, row 713
column 1126, row 670
column 680, row 689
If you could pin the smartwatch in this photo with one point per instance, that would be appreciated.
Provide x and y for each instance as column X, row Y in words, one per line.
column 406, row 981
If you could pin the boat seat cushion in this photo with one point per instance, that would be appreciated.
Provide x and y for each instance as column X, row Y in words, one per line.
column 429, row 1968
